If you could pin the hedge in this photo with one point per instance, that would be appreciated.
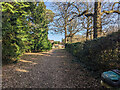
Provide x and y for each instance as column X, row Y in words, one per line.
column 99, row 54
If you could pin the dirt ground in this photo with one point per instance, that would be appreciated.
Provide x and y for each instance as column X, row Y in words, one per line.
column 53, row 69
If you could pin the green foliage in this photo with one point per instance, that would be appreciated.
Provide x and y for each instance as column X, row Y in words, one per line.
column 13, row 30
column 50, row 15
column 24, row 29
column 56, row 42
column 100, row 54
column 40, row 27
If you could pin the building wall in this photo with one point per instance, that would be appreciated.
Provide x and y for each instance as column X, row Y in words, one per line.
column 76, row 38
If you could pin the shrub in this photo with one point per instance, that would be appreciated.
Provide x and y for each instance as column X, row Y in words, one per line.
column 100, row 54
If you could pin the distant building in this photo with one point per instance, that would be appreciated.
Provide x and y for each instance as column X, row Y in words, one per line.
column 76, row 38
column 59, row 46
column 52, row 41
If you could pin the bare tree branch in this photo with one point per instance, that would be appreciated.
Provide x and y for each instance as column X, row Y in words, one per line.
column 112, row 11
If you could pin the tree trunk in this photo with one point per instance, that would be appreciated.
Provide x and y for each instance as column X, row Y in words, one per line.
column 65, row 35
column 71, row 39
column 91, row 34
column 65, row 27
column 88, row 24
column 87, row 34
column 97, row 19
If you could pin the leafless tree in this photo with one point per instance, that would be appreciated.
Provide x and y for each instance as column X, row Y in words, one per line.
column 97, row 25
column 73, row 28
column 61, row 23
column 61, row 20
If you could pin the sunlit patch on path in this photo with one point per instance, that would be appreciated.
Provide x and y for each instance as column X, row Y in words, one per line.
column 36, row 54
column 28, row 62
column 21, row 70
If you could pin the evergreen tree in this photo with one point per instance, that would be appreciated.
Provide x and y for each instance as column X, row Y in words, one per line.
column 13, row 29
column 24, row 28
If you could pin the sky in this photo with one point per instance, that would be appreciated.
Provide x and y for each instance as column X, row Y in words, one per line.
column 51, row 36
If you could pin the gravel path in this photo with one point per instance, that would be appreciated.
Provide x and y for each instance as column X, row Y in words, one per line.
column 53, row 69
